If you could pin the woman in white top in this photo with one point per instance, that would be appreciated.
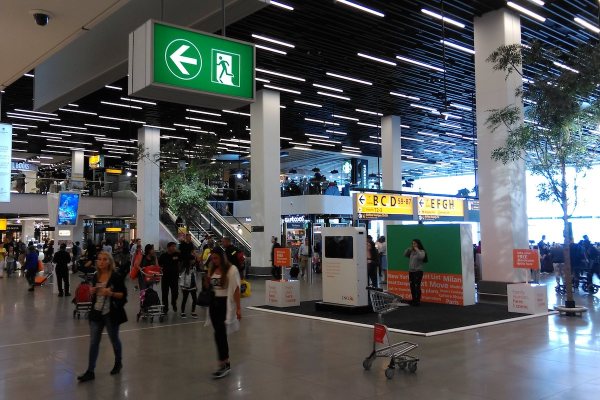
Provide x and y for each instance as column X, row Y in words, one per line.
column 225, row 310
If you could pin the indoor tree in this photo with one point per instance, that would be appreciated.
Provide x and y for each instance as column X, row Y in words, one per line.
column 558, row 136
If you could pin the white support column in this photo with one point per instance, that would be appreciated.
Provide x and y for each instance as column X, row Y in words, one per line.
column 77, row 164
column 502, row 197
column 265, row 170
column 148, row 187
column 391, row 152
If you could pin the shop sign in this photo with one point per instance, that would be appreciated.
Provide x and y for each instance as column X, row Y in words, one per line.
column 23, row 166
column 186, row 66
column 113, row 229
column 14, row 228
column 294, row 219
column 383, row 205
column 441, row 207
column 526, row 258
column 282, row 257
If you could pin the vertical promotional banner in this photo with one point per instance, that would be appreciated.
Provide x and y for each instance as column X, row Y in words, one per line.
column 448, row 275
column 5, row 157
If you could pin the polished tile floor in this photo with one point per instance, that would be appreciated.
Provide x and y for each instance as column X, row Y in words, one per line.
column 42, row 349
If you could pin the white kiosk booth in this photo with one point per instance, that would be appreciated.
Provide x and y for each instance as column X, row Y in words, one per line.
column 344, row 264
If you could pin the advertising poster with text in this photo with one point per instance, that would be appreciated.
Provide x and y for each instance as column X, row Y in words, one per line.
column 442, row 279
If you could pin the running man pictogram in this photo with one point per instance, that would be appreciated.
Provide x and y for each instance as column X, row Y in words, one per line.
column 224, row 68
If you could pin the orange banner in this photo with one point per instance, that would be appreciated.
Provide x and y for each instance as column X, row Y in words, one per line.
column 282, row 257
column 526, row 258
column 435, row 287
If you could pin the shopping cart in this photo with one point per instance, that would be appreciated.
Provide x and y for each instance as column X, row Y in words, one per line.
column 150, row 305
column 383, row 303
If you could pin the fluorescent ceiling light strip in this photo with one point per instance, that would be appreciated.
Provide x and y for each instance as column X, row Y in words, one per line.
column 208, row 121
column 160, row 127
column 525, row 11
column 33, row 116
column 419, row 63
column 369, row 142
column 121, row 119
column 77, row 111
column 453, row 135
column 281, row 5
column 361, row 8
column 300, row 144
column 375, row 137
column 67, row 141
column 69, row 127
column 173, row 137
column 351, row 148
column 587, row 25
column 115, row 128
column 86, row 134
column 457, row 46
column 139, row 101
column 443, row 18
column 272, row 50
column 19, row 128
column 450, row 125
column 35, row 112
column 428, row 134
column 348, row 78
column 306, row 103
column 380, row 60
column 405, row 96
column 344, row 117
column 271, row 40
column 328, row 88
column 461, row 107
column 235, row 140
column 29, row 75
column 336, row 132
column 431, row 109
column 282, row 89
column 538, row 2
column 321, row 121
column 369, row 125
column 25, row 125
column 325, row 140
column 202, row 112
column 412, row 139
column 316, row 136
column 55, row 134
column 322, row 144
column 285, row 138
column 110, row 103
column 109, row 156
column 11, row 115
column 112, row 87
column 269, row 72
column 563, row 66
column 236, row 112
column 459, row 151
column 448, row 115
column 263, row 80
column 444, row 143
column 54, row 151
column 334, row 96
column 368, row 112
column 73, row 105
column 66, row 147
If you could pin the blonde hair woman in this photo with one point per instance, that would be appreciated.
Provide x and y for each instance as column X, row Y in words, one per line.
column 109, row 296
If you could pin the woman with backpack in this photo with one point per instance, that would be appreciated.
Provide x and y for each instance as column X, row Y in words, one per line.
column 417, row 257
column 187, row 283
column 109, row 296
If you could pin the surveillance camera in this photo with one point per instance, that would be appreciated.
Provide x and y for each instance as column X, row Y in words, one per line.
column 41, row 17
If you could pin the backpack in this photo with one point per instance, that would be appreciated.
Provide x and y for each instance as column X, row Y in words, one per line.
column 240, row 258
column 82, row 293
column 150, row 298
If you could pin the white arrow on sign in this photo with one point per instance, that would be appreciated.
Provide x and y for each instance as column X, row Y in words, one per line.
column 179, row 59
column 361, row 199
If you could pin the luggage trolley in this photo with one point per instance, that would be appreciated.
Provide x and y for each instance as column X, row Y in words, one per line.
column 152, row 278
column 383, row 303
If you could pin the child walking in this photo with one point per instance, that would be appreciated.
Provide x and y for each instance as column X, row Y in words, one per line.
column 187, row 282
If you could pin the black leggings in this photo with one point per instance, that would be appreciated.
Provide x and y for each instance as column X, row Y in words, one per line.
column 415, row 278
column 185, row 294
column 218, row 312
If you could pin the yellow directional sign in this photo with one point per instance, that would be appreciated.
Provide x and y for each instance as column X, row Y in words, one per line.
column 373, row 205
column 441, row 206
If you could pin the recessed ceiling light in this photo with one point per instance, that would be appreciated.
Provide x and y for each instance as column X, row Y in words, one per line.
column 282, row 89
column 419, row 63
column 334, row 95
column 275, row 73
column 271, row 40
column 380, row 60
column 443, row 18
column 526, row 11
column 361, row 8
column 349, row 78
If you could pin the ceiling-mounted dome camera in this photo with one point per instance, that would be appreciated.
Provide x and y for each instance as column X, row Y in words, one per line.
column 41, row 17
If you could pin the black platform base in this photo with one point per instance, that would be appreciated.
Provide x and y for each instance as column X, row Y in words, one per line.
column 492, row 292
column 342, row 309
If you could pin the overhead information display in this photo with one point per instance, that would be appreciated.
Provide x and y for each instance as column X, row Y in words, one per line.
column 441, row 208
column 383, row 206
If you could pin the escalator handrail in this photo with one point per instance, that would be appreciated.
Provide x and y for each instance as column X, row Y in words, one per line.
column 215, row 214
column 227, row 213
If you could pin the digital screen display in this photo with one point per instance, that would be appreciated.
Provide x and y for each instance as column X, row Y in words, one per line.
column 339, row 247
column 68, row 208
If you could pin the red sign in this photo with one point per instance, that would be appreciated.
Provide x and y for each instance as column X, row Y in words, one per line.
column 282, row 257
column 437, row 287
column 526, row 258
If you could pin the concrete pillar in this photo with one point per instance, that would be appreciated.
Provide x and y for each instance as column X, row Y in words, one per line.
column 148, row 187
column 501, row 187
column 77, row 164
column 391, row 152
column 265, row 169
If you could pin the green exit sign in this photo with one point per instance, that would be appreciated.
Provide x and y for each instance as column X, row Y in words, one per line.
column 185, row 66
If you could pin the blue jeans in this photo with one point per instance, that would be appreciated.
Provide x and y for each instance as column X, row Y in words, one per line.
column 96, row 328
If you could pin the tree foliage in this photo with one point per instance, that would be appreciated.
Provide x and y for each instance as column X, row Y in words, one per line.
column 560, row 128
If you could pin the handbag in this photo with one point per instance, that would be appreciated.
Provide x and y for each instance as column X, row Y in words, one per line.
column 206, row 296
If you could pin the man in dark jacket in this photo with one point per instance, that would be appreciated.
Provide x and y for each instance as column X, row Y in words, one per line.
column 170, row 264
column 62, row 259
column 275, row 270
